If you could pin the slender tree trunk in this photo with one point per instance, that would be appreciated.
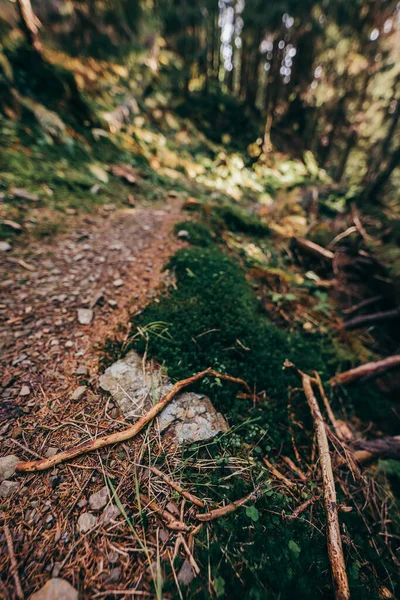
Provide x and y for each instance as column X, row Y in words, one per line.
column 383, row 177
column 29, row 24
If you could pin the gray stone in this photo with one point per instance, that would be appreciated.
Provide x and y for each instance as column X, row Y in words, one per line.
column 86, row 521
column 99, row 499
column 186, row 574
column 136, row 387
column 7, row 488
column 183, row 234
column 25, row 391
column 110, row 513
column 85, row 316
column 56, row 589
column 5, row 247
column 191, row 418
column 7, row 466
column 133, row 388
column 79, row 392
column 81, row 370
column 118, row 283
column 51, row 452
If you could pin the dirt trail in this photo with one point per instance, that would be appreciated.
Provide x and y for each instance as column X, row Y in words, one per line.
column 112, row 261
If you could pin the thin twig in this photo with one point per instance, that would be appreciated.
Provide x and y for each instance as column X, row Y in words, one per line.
column 216, row 513
column 13, row 561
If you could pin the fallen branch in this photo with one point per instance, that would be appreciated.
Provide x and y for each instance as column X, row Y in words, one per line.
column 293, row 467
column 125, row 434
column 314, row 249
column 277, row 473
column 362, row 304
column 357, row 222
column 335, row 550
column 364, row 320
column 369, row 370
column 216, row 513
column 365, row 450
column 168, row 518
column 13, row 562
column 175, row 486
column 341, row 428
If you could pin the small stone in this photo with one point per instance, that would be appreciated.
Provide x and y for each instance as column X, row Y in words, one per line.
column 69, row 344
column 183, row 233
column 7, row 466
column 109, row 207
column 99, row 499
column 113, row 557
column 79, row 392
column 86, row 521
column 56, row 589
column 16, row 432
column 85, row 316
column 110, row 513
column 5, row 247
column 51, row 452
column 82, row 503
column 7, row 488
column 114, row 575
column 25, row 391
column 118, row 283
column 185, row 575
column 95, row 189
column 71, row 211
column 112, row 303
column 81, row 370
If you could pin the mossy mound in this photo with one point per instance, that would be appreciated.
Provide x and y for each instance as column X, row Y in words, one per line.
column 198, row 234
column 212, row 318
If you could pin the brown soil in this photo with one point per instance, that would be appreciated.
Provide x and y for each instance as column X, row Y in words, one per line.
column 43, row 345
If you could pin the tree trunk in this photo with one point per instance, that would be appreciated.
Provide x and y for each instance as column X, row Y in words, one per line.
column 383, row 177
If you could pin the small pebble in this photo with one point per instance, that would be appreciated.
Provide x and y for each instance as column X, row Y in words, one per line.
column 118, row 283
column 25, row 391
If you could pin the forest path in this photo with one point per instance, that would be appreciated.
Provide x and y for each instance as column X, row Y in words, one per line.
column 108, row 263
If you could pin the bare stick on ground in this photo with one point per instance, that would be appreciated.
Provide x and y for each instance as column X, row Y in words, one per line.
column 365, row 320
column 13, row 561
column 340, row 427
column 335, row 550
column 367, row 371
column 125, row 434
column 365, row 450
column 314, row 249
column 175, row 486
column 216, row 513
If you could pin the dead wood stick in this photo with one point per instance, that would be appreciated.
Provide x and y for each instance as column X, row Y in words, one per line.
column 368, row 370
column 216, row 513
column 364, row 320
column 341, row 428
column 362, row 304
column 297, row 511
column 357, row 222
column 175, row 486
column 170, row 521
column 365, row 450
column 277, row 473
column 314, row 249
column 125, row 434
column 13, row 562
column 293, row 467
column 335, row 550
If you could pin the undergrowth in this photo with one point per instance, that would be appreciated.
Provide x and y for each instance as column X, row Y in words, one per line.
column 212, row 319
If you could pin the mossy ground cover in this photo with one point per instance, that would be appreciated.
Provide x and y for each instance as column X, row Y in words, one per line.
column 212, row 318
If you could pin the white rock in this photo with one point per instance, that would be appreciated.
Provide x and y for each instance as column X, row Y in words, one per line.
column 85, row 316
column 191, row 418
column 118, row 283
column 25, row 391
column 188, row 418
column 99, row 499
column 7, row 466
column 7, row 488
column 56, row 589
column 183, row 234
column 86, row 521
column 5, row 247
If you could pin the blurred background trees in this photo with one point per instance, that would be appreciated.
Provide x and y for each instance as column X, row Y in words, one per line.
column 319, row 75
